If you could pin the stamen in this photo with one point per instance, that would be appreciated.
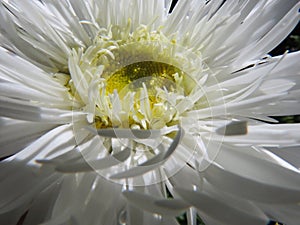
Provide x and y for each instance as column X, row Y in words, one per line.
column 135, row 80
column 148, row 82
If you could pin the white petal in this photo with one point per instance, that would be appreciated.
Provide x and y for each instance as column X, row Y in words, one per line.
column 136, row 216
column 12, row 196
column 12, row 217
column 290, row 154
column 41, row 208
column 129, row 133
column 233, row 128
column 49, row 32
column 226, row 33
column 152, row 163
column 222, row 211
column 286, row 214
column 252, row 188
column 154, row 205
column 96, row 200
column 16, row 135
column 263, row 135
column 29, row 75
column 287, row 16
column 24, row 171
column 55, row 142
column 12, row 90
column 234, row 108
column 24, row 110
column 102, row 163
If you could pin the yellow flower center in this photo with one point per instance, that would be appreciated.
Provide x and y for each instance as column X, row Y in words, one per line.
column 147, row 83
column 137, row 80
column 153, row 74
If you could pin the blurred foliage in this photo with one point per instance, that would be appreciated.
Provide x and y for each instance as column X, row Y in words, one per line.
column 183, row 220
column 288, row 119
column 291, row 43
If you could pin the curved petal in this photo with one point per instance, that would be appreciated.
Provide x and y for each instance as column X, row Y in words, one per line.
column 16, row 135
column 46, row 31
column 25, row 173
column 136, row 216
column 48, row 37
column 286, row 214
column 101, row 163
column 279, row 75
column 222, row 211
column 233, row 34
column 29, row 76
column 251, row 189
column 155, row 205
column 41, row 208
column 96, row 200
column 152, row 163
column 289, row 154
column 273, row 135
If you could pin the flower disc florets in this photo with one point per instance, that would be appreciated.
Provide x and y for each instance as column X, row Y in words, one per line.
column 135, row 79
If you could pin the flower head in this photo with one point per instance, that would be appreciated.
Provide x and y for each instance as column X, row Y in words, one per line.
column 120, row 112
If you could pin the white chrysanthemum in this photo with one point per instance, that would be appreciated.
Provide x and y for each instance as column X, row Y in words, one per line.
column 119, row 112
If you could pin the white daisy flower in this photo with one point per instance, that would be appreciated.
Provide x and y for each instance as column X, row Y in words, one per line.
column 119, row 112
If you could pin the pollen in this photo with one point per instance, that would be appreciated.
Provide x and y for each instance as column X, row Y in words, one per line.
column 146, row 82
column 153, row 74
